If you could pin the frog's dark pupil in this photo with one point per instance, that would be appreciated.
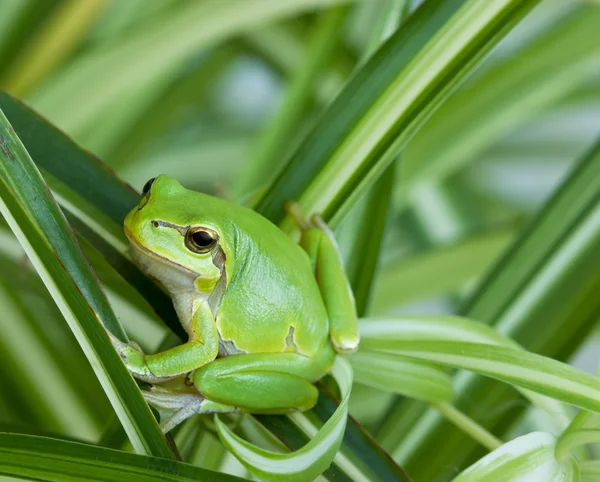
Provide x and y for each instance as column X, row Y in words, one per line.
column 202, row 238
column 147, row 186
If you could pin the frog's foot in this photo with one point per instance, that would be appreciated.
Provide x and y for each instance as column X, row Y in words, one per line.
column 315, row 222
column 293, row 209
column 175, row 406
column 328, row 265
column 134, row 359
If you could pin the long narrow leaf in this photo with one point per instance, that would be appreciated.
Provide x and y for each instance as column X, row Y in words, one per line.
column 41, row 458
column 527, row 82
column 466, row 344
column 386, row 101
column 46, row 237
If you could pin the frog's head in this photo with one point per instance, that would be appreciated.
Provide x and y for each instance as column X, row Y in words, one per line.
column 175, row 240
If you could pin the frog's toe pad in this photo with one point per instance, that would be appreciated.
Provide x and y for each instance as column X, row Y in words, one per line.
column 346, row 345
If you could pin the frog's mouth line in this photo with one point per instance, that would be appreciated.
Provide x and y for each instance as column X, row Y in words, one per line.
column 218, row 261
column 155, row 256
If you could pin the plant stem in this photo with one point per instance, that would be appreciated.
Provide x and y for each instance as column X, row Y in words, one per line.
column 570, row 440
column 468, row 425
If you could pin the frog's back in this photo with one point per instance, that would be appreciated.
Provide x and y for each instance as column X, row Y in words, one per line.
column 273, row 302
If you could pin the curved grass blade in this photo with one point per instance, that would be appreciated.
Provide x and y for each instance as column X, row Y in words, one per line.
column 100, row 188
column 41, row 458
column 42, row 230
column 530, row 457
column 385, row 103
column 543, row 293
column 360, row 456
column 311, row 460
column 542, row 375
column 473, row 346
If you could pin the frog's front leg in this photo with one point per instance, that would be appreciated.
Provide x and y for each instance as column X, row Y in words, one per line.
column 176, row 405
column 201, row 348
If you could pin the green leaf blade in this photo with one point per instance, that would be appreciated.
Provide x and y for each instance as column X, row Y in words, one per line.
column 46, row 237
column 42, row 458
column 381, row 107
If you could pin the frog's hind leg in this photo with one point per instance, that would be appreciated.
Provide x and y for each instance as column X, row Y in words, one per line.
column 319, row 242
column 261, row 383
column 175, row 406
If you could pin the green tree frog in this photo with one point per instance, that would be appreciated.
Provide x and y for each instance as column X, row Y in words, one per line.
column 265, row 315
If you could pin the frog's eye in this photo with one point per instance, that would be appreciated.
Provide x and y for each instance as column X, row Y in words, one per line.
column 201, row 240
column 147, row 186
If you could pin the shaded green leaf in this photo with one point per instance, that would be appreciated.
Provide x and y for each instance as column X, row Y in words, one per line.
column 47, row 239
column 41, row 458
column 401, row 375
